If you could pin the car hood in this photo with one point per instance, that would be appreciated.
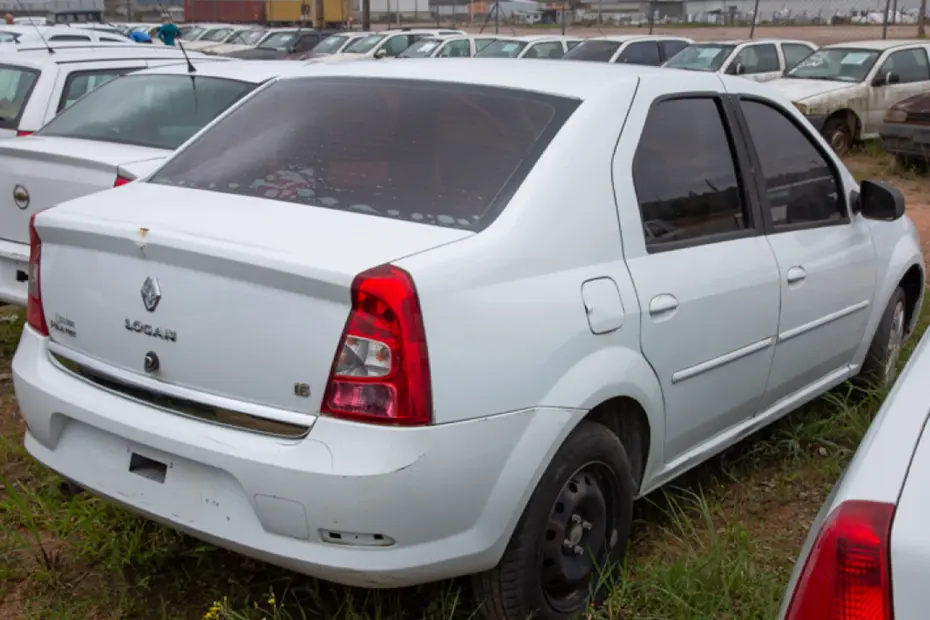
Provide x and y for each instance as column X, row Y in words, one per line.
column 799, row 89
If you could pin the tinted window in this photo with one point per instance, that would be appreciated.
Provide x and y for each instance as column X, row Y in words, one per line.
column 800, row 184
column 670, row 48
column 68, row 37
column 756, row 59
column 545, row 50
column 502, row 49
column 429, row 152
column 701, row 57
column 307, row 42
column 16, row 85
column 907, row 66
column 685, row 175
column 80, row 83
column 593, row 51
column 794, row 54
column 159, row 111
column 640, row 53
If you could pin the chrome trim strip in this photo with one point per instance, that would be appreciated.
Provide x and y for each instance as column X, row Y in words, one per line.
column 179, row 405
column 732, row 356
column 839, row 314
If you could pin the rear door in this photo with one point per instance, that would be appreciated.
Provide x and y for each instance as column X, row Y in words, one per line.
column 756, row 61
column 16, row 86
column 545, row 50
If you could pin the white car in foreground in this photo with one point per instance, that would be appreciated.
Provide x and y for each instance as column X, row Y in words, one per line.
column 114, row 134
column 868, row 552
column 373, row 343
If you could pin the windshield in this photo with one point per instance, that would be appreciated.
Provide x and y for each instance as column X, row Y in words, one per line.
column 837, row 64
column 503, row 49
column 279, row 41
column 593, row 51
column 247, row 37
column 330, row 45
column 364, row 45
column 158, row 111
column 15, row 87
column 217, row 35
column 432, row 152
column 701, row 57
column 423, row 48
column 193, row 33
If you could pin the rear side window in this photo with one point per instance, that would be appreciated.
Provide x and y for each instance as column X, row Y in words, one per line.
column 431, row 152
column 641, row 53
column 756, row 59
column 593, row 51
column 16, row 84
column 80, row 83
column 686, row 176
column 157, row 111
column 545, row 50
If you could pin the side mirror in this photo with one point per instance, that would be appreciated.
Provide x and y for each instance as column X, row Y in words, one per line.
column 884, row 79
column 736, row 68
column 880, row 201
column 381, row 53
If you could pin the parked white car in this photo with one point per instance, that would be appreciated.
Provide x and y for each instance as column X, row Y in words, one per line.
column 868, row 551
column 845, row 89
column 761, row 60
column 118, row 132
column 36, row 85
column 535, row 46
column 388, row 43
column 650, row 50
column 36, row 35
column 452, row 46
column 409, row 239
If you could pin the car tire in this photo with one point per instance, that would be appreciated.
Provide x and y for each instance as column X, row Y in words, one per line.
column 547, row 572
column 838, row 135
column 879, row 369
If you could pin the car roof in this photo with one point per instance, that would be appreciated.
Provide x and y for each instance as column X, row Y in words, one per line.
column 255, row 71
column 878, row 44
column 742, row 41
column 555, row 77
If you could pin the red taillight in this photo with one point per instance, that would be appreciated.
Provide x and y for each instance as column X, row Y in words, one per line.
column 35, row 314
column 21, row 134
column 381, row 371
column 847, row 575
column 121, row 180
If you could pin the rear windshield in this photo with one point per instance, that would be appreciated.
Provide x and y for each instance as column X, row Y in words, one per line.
column 158, row 111
column 423, row 48
column 503, row 49
column 593, row 51
column 16, row 85
column 431, row 152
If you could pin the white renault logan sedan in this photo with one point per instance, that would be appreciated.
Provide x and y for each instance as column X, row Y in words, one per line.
column 384, row 326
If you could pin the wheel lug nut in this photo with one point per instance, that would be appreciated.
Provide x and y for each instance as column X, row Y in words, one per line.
column 578, row 550
column 576, row 518
column 585, row 525
column 567, row 544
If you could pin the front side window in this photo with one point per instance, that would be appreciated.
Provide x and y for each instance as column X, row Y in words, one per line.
column 756, row 59
column 685, row 174
column 307, row 42
column 907, row 66
column 701, row 57
column 671, row 47
column 795, row 53
column 640, row 53
column 503, row 48
column 837, row 64
column 593, row 51
column 800, row 184
column 553, row 50
column 397, row 44
column 16, row 84
column 431, row 152
column 80, row 83
column 456, row 49
column 157, row 111
column 331, row 45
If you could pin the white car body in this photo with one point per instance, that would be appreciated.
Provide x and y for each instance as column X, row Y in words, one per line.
column 860, row 104
column 389, row 43
column 629, row 48
column 531, row 46
column 745, row 57
column 509, row 338
column 52, row 169
column 877, row 512
column 41, row 101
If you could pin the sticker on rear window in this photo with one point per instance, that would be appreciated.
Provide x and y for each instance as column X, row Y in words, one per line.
column 428, row 47
column 509, row 47
column 711, row 52
column 856, row 58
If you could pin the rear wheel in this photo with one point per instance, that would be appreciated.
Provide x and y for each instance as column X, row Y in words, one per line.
column 838, row 135
column 572, row 536
column 881, row 362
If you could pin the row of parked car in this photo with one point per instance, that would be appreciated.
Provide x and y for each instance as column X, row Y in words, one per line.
column 241, row 320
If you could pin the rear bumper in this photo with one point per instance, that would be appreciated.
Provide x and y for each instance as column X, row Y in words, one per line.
column 903, row 139
column 14, row 267
column 443, row 499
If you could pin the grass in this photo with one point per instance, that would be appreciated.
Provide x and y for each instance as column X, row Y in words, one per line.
column 719, row 542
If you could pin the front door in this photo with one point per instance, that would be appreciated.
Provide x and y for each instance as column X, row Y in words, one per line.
column 706, row 278
column 757, row 61
column 825, row 257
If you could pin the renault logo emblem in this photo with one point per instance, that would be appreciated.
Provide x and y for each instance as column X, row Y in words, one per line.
column 21, row 197
column 151, row 293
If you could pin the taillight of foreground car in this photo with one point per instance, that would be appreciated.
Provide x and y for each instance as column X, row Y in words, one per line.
column 23, row 134
column 847, row 575
column 35, row 314
column 121, row 180
column 381, row 371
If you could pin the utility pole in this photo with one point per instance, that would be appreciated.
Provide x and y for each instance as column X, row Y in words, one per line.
column 366, row 15
column 921, row 31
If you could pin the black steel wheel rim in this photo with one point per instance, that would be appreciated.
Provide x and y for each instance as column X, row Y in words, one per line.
column 577, row 536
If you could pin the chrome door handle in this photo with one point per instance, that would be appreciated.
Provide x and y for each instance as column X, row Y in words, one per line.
column 796, row 274
column 662, row 304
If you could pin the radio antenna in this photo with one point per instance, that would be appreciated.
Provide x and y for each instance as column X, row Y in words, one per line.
column 36, row 26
